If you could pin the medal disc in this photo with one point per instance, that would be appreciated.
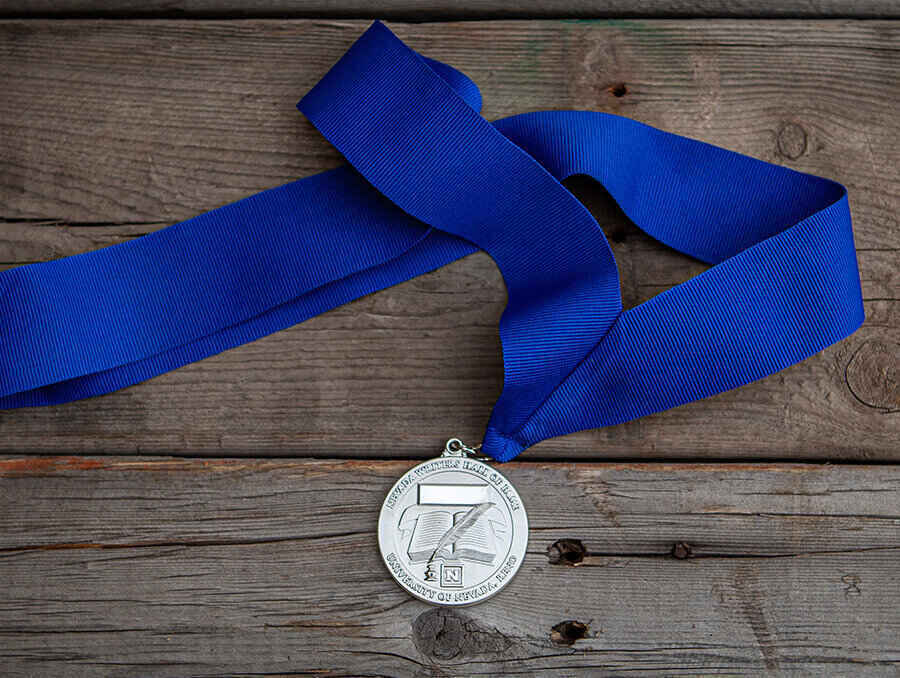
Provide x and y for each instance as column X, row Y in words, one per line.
column 453, row 531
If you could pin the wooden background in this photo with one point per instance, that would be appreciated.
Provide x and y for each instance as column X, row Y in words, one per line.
column 219, row 520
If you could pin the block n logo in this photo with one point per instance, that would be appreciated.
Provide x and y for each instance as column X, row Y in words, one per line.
column 451, row 576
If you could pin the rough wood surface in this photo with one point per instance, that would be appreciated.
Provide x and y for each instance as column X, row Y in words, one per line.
column 161, row 567
column 417, row 10
column 113, row 129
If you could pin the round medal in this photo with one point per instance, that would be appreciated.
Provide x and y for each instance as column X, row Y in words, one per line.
column 453, row 530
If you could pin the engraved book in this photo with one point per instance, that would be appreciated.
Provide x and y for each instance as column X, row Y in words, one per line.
column 423, row 526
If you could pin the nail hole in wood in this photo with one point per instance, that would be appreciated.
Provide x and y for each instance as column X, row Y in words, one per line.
column 566, row 552
column 682, row 551
column 568, row 632
column 618, row 90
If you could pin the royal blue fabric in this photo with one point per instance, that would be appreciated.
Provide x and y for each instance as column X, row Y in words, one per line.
column 429, row 181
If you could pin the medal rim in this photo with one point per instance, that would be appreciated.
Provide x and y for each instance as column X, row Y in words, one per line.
column 512, row 574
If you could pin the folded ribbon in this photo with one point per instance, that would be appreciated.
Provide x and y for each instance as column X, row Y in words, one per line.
column 432, row 181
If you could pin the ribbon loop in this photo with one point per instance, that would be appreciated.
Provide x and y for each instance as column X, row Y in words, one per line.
column 416, row 141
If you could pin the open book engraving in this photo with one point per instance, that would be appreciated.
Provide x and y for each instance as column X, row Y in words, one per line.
column 427, row 525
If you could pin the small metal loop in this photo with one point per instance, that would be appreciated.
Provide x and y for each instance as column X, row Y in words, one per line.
column 457, row 448
column 454, row 448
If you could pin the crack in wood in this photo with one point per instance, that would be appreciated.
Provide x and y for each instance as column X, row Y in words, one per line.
column 64, row 546
column 573, row 553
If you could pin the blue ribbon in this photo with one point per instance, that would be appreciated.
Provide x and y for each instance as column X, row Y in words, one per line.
column 431, row 181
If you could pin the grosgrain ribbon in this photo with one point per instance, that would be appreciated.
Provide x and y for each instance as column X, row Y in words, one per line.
column 432, row 181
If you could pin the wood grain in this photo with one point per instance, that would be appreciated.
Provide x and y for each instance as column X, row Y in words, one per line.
column 113, row 129
column 416, row 10
column 160, row 567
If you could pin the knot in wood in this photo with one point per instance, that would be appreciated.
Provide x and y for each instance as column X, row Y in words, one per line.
column 443, row 634
column 791, row 140
column 873, row 375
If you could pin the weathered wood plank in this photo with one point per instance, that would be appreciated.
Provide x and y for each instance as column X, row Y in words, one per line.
column 170, row 132
column 117, row 567
column 111, row 130
column 416, row 10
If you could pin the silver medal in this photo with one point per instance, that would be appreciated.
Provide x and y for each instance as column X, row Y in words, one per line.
column 453, row 530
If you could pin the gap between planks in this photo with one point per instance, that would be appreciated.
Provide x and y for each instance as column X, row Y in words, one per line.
column 450, row 10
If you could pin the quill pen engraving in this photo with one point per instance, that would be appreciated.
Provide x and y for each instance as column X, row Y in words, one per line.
column 469, row 518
